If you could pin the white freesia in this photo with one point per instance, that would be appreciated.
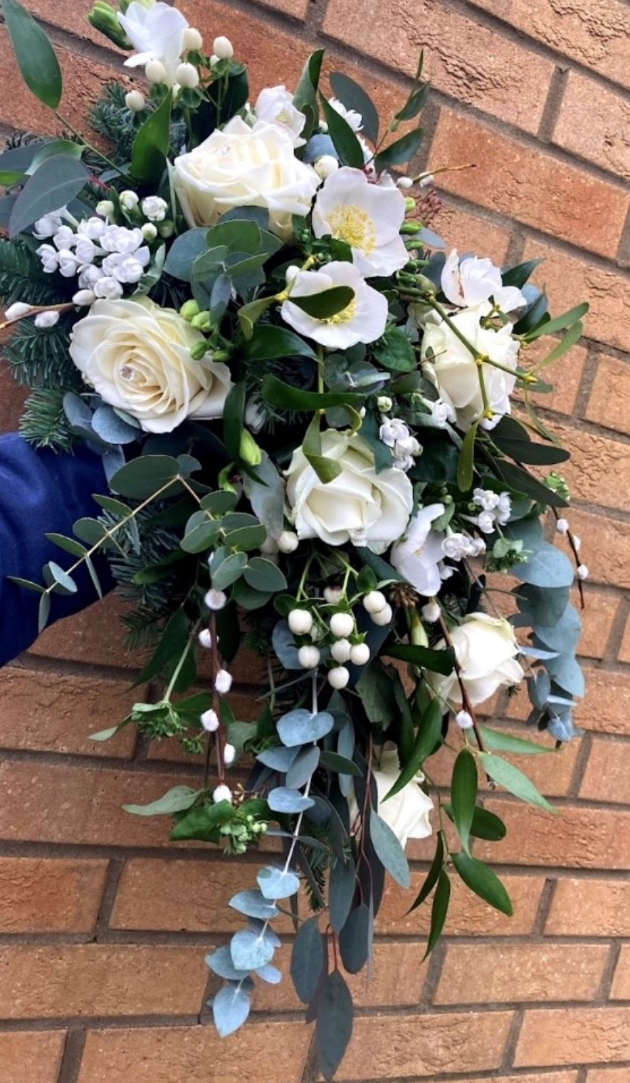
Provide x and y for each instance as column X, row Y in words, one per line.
column 471, row 281
column 275, row 106
column 358, row 505
column 455, row 371
column 136, row 355
column 366, row 217
column 157, row 34
column 363, row 320
column 243, row 166
column 486, row 649
column 419, row 553
column 406, row 812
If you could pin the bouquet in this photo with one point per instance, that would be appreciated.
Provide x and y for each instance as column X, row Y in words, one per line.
column 318, row 434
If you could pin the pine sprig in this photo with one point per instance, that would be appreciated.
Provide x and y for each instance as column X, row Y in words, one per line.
column 44, row 423
column 40, row 356
column 23, row 279
column 112, row 119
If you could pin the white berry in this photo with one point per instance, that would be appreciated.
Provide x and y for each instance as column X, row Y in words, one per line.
column 210, row 721
column 135, row 101
column 308, row 657
column 187, row 76
column 155, row 72
column 300, row 622
column 341, row 651
column 222, row 793
column 288, row 541
column 384, row 616
column 374, row 602
column 229, row 755
column 333, row 595
column 360, row 654
column 192, row 39
column 464, row 720
column 205, row 638
column 431, row 612
column 338, row 677
column 582, row 571
column 223, row 48
column 342, row 624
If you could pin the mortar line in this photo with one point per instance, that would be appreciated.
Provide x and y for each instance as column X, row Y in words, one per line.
column 72, row 1056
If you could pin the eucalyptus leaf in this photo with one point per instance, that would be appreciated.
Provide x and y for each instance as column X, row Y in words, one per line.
column 177, row 799
column 389, row 850
column 333, row 1029
column 276, row 883
column 285, row 800
column 307, row 959
column 34, row 53
column 254, row 905
column 299, row 727
column 56, row 183
column 230, row 1009
column 249, row 950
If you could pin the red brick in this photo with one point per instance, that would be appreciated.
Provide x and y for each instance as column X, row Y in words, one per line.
column 606, row 707
column 70, row 15
column 565, row 374
column 45, row 803
column 593, row 32
column 470, row 62
column 579, row 837
column 610, row 393
column 403, row 1046
column 59, row 714
column 607, row 776
column 12, row 398
column 621, row 982
column 467, row 915
column 539, row 1077
column 569, row 280
column 585, row 907
column 596, row 467
column 606, row 545
column 472, row 974
column 29, row 1055
column 529, row 185
column 624, row 648
column 607, row 1075
column 591, row 122
column 95, row 635
column 471, row 233
column 50, row 895
column 557, row 1036
column 597, row 622
column 101, row 979
column 188, row 1054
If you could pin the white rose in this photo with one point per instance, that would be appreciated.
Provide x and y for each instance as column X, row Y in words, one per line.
column 406, row 812
column 472, row 281
column 486, row 649
column 454, row 369
column 359, row 505
column 245, row 167
column 275, row 106
column 363, row 320
column 136, row 355
column 418, row 555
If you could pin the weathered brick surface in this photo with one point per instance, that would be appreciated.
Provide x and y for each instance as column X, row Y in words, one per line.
column 49, row 894
column 468, row 915
column 96, row 635
column 579, row 837
column 471, row 232
column 607, row 776
column 591, row 124
column 621, row 982
column 471, row 974
column 607, row 1075
column 30, row 1055
column 585, row 907
column 573, row 1036
column 608, row 401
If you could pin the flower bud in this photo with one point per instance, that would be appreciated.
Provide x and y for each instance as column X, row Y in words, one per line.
column 464, row 720
column 105, row 208
column 17, row 310
column 155, row 72
column 192, row 40
column 384, row 403
column 222, row 48
column 222, row 793
column 360, row 654
column 189, row 309
column 249, row 450
column 187, row 76
column 229, row 755
column 326, row 166
column 410, row 204
column 341, row 651
column 431, row 612
column 46, row 319
column 223, row 682
column 215, row 600
column 300, row 622
column 166, row 228
column 135, row 101
column 105, row 19
column 205, row 638
column 199, row 350
column 149, row 231
column 384, row 616
column 202, row 320
column 342, row 624
column 288, row 541
column 128, row 200
column 210, row 721
column 83, row 298
column 308, row 657
column 374, row 602
column 338, row 677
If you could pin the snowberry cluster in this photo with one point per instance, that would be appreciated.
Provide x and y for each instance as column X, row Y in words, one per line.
column 339, row 633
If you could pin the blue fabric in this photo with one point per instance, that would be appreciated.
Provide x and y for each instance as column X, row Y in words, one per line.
column 40, row 492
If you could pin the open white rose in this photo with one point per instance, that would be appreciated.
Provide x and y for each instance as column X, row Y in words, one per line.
column 156, row 33
column 243, row 166
column 471, row 281
column 359, row 505
column 454, row 370
column 275, row 106
column 363, row 320
column 419, row 554
column 486, row 649
column 136, row 355
column 365, row 216
column 406, row 812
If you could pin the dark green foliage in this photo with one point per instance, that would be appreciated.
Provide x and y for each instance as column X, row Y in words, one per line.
column 22, row 277
column 115, row 122
column 40, row 356
column 44, row 423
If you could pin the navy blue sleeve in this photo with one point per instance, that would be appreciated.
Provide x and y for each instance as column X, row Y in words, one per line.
column 41, row 491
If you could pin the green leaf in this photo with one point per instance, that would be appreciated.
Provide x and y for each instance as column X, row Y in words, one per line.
column 524, row 482
column 339, row 765
column 321, row 306
column 520, row 274
column 43, row 612
column 55, row 576
column 572, row 336
column 184, row 251
column 57, row 182
column 495, row 741
column 229, row 570
column 171, row 645
column 353, row 96
column 428, row 735
column 432, row 876
column 345, row 141
column 389, row 850
column 559, row 322
column 147, row 475
column 483, row 881
column 9, row 177
column 399, row 152
column 286, row 397
column 415, row 102
column 424, row 657
column 326, row 469
column 439, row 910
column 233, row 411
column 526, row 451
column 27, row 583
column 49, row 150
column 263, row 574
column 151, row 144
column 305, row 97
column 35, row 55
column 177, row 799
column 466, row 462
column 250, row 313
column 70, row 545
column 204, row 823
column 487, row 825
column 395, row 352
column 464, row 794
column 271, row 343
column 513, row 780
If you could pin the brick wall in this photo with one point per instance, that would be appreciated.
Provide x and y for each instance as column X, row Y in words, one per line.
column 103, row 926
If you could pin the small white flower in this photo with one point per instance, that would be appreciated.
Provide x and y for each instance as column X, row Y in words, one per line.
column 472, row 281
column 149, row 231
column 123, row 268
column 105, row 208
column 107, row 288
column 49, row 258
column 205, row 638
column 360, row 654
column 154, row 208
column 562, row 526
column 89, row 276
column 135, row 101
column 431, row 612
column 187, row 76
column 485, row 499
column 485, row 521
column 366, row 217
column 223, row 682
column 338, row 677
column 192, row 40
column 83, row 298
column 288, row 541
column 383, row 617
column 464, row 720
column 92, row 228
column 86, row 251
column 341, row 624
column 478, row 546
column 156, row 32
column 215, row 600
column 364, row 319
column 121, row 240
column 223, row 48
column 418, row 554
column 326, row 166
column 68, row 263
column 384, row 404
column 46, row 319
column 457, row 546
column 351, row 116
column 17, row 310
column 229, row 754
column 210, row 721
column 222, row 793
column 442, row 413
column 582, row 571
column 503, row 508
column 392, row 430
column 341, row 651
column 300, row 621
column 128, row 200
column 49, row 224
column 308, row 657
column 64, row 238
column 275, row 106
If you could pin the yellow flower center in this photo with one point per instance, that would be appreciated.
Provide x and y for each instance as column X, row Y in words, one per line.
column 345, row 315
column 350, row 223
